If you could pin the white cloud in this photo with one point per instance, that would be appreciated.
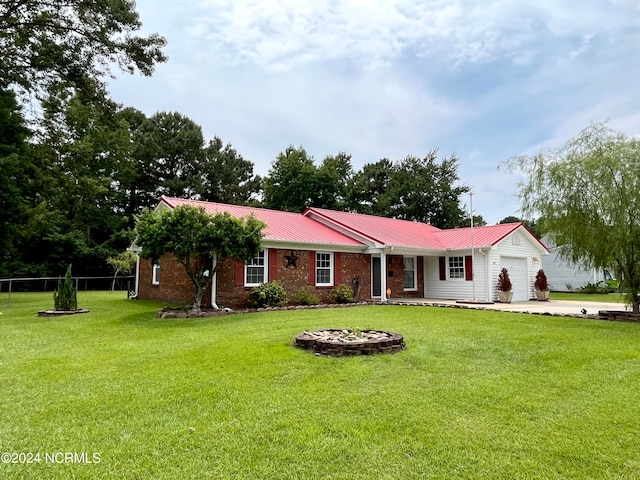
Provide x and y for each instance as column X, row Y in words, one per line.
column 285, row 33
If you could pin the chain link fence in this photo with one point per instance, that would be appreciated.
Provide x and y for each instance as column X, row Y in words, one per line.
column 50, row 284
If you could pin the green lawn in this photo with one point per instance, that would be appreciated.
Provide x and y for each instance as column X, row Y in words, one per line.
column 476, row 395
column 588, row 297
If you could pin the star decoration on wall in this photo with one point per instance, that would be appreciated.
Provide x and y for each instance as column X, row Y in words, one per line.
column 291, row 258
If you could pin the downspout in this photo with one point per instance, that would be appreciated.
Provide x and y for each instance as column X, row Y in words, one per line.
column 214, row 283
column 137, row 282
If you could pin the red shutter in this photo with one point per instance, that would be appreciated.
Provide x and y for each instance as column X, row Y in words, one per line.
column 239, row 273
column 468, row 268
column 443, row 268
column 337, row 268
column 273, row 264
column 312, row 268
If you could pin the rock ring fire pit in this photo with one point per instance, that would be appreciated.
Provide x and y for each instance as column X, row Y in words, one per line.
column 338, row 342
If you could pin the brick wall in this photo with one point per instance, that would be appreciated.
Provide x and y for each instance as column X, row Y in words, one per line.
column 352, row 266
column 395, row 277
column 175, row 285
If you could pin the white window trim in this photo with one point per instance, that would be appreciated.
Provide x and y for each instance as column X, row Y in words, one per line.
column 265, row 273
column 464, row 273
column 415, row 273
column 331, row 266
column 155, row 274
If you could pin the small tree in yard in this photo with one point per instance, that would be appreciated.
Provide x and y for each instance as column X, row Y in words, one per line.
column 587, row 195
column 198, row 241
column 65, row 297
column 121, row 263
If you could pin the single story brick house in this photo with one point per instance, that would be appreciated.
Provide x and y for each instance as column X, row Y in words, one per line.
column 380, row 258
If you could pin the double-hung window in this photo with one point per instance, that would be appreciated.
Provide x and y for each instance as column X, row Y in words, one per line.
column 324, row 268
column 456, row 267
column 255, row 270
column 410, row 273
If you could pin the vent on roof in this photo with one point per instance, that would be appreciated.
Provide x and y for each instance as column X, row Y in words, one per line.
column 516, row 239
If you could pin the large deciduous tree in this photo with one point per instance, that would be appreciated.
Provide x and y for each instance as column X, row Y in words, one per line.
column 82, row 147
column 587, row 194
column 292, row 181
column 14, row 180
column 198, row 241
column 332, row 180
column 368, row 188
column 44, row 43
column 420, row 189
column 425, row 190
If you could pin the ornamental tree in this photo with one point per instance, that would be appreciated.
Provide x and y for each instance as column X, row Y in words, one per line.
column 587, row 194
column 198, row 241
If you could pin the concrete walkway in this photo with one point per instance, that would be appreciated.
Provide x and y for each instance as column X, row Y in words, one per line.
column 552, row 307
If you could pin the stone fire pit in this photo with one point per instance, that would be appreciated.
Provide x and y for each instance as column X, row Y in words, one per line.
column 337, row 342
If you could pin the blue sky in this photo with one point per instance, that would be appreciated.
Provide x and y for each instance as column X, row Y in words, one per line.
column 481, row 80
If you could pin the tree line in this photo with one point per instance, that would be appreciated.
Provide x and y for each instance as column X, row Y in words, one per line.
column 74, row 183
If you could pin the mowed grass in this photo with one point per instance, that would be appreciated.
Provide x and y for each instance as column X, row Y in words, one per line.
column 588, row 297
column 475, row 395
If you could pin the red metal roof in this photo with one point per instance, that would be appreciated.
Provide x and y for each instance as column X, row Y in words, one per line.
column 281, row 226
column 403, row 233
column 486, row 236
column 322, row 226
column 387, row 231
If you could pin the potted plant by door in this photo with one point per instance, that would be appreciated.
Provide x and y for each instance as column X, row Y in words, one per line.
column 504, row 287
column 541, row 286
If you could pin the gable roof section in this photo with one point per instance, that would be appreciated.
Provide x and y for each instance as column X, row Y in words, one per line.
column 381, row 230
column 483, row 237
column 281, row 226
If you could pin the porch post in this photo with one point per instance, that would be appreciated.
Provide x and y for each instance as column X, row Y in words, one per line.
column 383, row 276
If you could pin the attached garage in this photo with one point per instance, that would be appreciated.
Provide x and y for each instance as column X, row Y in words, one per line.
column 517, row 268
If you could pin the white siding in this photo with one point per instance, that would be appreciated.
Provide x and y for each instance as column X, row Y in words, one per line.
column 487, row 266
column 562, row 275
column 458, row 288
column 527, row 250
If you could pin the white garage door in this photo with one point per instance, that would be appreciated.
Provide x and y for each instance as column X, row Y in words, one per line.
column 517, row 268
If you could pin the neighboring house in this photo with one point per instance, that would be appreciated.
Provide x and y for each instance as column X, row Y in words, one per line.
column 565, row 276
column 320, row 249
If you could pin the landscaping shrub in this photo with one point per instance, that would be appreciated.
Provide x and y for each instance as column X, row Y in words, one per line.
column 600, row 287
column 504, row 282
column 65, row 297
column 270, row 294
column 305, row 297
column 541, row 281
column 342, row 294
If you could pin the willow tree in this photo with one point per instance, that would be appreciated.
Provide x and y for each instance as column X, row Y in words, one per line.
column 587, row 194
column 198, row 241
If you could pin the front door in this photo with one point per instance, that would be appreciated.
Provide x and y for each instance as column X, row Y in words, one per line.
column 376, row 277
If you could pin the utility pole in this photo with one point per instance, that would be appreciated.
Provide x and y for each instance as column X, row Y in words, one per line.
column 473, row 259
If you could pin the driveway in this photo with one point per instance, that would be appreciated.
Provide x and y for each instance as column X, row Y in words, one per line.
column 552, row 307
